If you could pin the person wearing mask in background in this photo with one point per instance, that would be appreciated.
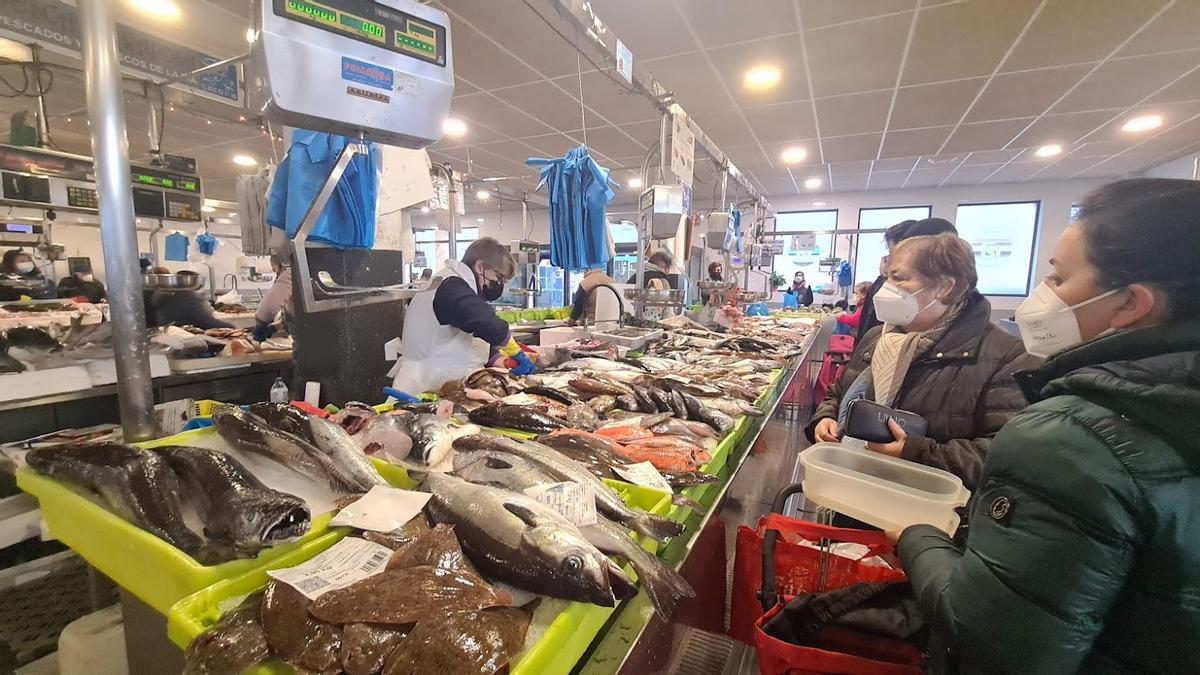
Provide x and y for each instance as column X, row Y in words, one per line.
column 716, row 272
column 426, row 274
column 19, row 265
column 278, row 299
column 450, row 329
column 847, row 322
column 658, row 270
column 82, row 284
column 179, row 308
column 583, row 304
column 1083, row 552
column 801, row 290
column 891, row 237
column 938, row 355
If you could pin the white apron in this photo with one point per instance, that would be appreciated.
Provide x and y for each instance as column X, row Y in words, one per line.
column 430, row 353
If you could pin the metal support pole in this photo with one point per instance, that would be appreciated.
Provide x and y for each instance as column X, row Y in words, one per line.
column 152, row 129
column 455, row 194
column 110, row 148
column 663, row 125
column 43, row 124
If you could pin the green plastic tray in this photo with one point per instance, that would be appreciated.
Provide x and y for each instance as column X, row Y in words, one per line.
column 156, row 572
column 558, row 650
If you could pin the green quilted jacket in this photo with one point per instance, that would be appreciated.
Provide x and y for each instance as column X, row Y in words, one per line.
column 1084, row 547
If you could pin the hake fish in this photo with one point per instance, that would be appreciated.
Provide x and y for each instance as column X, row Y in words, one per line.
column 565, row 469
column 251, row 433
column 663, row 585
column 284, row 417
column 236, row 507
column 518, row 540
column 136, row 485
column 347, row 462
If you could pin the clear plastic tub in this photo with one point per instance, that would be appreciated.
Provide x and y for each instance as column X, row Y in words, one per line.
column 883, row 491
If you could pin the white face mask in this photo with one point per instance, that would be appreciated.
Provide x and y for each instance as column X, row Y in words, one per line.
column 1048, row 325
column 24, row 267
column 897, row 306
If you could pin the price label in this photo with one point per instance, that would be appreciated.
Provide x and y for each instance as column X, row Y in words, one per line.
column 644, row 474
column 348, row 561
column 575, row 501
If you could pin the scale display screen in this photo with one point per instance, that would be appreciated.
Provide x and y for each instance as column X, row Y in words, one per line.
column 163, row 179
column 373, row 23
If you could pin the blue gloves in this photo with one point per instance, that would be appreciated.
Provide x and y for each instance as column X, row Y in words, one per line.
column 524, row 365
column 262, row 331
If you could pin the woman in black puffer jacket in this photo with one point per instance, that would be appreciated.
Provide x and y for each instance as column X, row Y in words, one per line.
column 937, row 355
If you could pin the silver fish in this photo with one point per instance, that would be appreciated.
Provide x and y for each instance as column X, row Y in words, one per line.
column 386, row 436
column 499, row 469
column 251, row 433
column 565, row 469
column 347, row 463
column 433, row 440
column 593, row 363
column 516, row 539
column 663, row 585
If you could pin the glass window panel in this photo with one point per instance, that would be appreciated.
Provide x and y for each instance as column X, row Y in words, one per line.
column 1002, row 237
column 870, row 247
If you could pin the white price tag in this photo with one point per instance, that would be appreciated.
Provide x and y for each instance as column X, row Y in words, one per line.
column 382, row 509
column 644, row 474
column 575, row 501
column 350, row 560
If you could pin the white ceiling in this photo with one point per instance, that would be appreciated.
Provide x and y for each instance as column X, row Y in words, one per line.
column 883, row 94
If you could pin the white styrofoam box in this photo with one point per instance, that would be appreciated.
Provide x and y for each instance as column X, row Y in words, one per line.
column 35, row 383
column 104, row 371
column 553, row 336
column 94, row 644
column 19, row 519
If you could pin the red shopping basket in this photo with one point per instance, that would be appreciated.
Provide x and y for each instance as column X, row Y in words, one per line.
column 789, row 568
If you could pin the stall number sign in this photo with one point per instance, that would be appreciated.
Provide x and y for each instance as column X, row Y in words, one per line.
column 624, row 62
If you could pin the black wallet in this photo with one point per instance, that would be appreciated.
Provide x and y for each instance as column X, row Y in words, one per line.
column 868, row 420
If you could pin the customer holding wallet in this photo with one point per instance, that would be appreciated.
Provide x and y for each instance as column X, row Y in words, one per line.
column 938, row 355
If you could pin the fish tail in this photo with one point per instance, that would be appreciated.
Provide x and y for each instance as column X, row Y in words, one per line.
column 657, row 527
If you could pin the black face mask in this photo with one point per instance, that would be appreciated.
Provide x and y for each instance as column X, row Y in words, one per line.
column 491, row 290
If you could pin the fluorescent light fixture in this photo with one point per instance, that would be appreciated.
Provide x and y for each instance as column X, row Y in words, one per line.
column 454, row 127
column 479, row 220
column 224, row 221
column 813, row 183
column 245, row 160
column 1143, row 123
column 819, row 203
column 1049, row 150
column 793, row 155
column 251, row 35
column 762, row 77
column 425, row 209
column 14, row 51
column 634, row 183
column 159, row 9
column 207, row 209
column 483, row 195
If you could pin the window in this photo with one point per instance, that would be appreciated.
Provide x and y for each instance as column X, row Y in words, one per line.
column 1002, row 236
column 807, row 239
column 550, row 285
column 870, row 245
column 1074, row 213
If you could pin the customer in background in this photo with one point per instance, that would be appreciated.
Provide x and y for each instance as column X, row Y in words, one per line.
column 82, row 284
column 1084, row 551
column 583, row 304
column 937, row 355
column 715, row 271
column 658, row 270
column 179, row 308
column 801, row 290
column 20, row 267
column 277, row 301
column 847, row 322
column 891, row 237
column 426, row 274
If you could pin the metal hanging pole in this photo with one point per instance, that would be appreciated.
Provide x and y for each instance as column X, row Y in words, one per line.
column 110, row 148
column 43, row 123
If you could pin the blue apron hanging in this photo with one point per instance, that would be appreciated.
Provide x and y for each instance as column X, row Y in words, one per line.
column 579, row 190
column 175, row 247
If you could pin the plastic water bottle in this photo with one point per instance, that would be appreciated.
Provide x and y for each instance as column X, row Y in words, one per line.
column 279, row 391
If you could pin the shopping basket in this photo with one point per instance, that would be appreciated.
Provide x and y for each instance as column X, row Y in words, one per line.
column 770, row 567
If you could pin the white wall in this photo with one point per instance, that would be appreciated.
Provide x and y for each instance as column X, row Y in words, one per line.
column 1056, row 197
column 1184, row 167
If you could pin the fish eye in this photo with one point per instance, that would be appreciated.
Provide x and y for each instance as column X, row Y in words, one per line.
column 572, row 563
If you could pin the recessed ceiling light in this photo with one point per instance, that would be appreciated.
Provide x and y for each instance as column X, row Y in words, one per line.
column 1049, row 150
column 1143, row 123
column 159, row 9
column 813, row 183
column 634, row 183
column 819, row 203
column 207, row 209
column 793, row 155
column 425, row 209
column 224, row 221
column 245, row 160
column 483, row 195
column 250, row 35
column 479, row 220
column 454, row 127
column 762, row 77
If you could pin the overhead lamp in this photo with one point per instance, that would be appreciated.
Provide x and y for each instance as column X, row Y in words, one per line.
column 245, row 160
column 454, row 127
column 813, row 183
column 1049, row 150
column 762, row 77
column 207, row 209
column 634, row 183
column 159, row 9
column 483, row 195
column 819, row 203
column 224, row 221
column 425, row 209
column 251, row 35
column 793, row 155
column 479, row 220
column 1143, row 123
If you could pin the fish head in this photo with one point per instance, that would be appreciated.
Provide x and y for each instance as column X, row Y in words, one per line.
column 266, row 518
column 574, row 563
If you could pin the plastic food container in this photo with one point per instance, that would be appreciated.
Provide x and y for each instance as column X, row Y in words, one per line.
column 883, row 491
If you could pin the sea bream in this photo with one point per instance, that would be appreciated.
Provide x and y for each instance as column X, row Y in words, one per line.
column 565, row 469
column 518, row 540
